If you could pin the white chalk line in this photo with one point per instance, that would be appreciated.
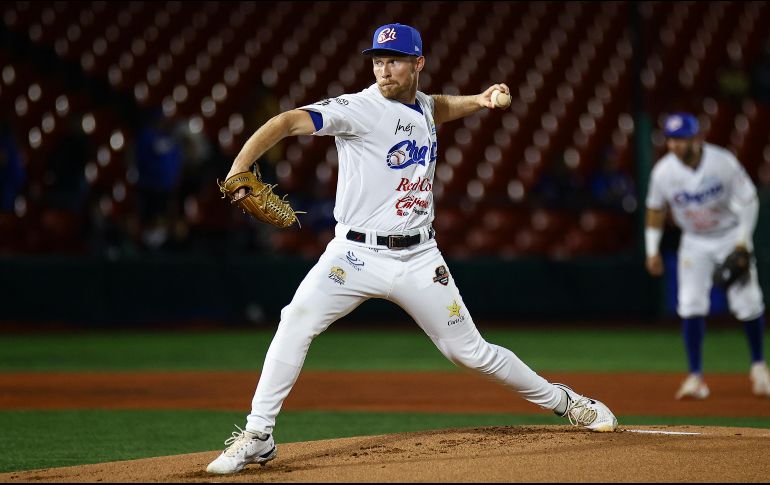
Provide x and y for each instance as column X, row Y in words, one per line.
column 649, row 431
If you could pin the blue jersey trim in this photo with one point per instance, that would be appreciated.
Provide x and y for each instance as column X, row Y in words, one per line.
column 318, row 119
column 415, row 106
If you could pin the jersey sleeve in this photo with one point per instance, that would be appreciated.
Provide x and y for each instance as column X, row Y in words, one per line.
column 742, row 189
column 655, row 198
column 347, row 115
column 428, row 101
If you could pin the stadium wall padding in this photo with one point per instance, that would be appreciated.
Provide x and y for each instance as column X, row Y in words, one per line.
column 98, row 291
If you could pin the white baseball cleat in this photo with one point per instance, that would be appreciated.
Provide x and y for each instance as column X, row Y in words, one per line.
column 587, row 412
column 244, row 447
column 694, row 387
column 760, row 379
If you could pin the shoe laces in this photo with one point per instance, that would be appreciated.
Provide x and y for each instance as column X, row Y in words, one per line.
column 236, row 441
column 580, row 413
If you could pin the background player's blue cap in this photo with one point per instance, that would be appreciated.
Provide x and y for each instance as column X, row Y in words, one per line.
column 396, row 38
column 680, row 125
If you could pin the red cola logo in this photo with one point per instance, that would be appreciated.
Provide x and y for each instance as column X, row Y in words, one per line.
column 421, row 185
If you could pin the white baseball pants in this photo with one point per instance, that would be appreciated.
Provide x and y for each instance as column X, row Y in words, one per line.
column 349, row 273
column 698, row 256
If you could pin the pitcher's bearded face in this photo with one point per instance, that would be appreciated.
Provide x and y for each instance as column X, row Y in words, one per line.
column 396, row 75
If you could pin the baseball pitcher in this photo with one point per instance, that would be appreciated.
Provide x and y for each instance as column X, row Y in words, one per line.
column 715, row 203
column 384, row 245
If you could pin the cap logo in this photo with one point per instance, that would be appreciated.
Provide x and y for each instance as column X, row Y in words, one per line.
column 674, row 123
column 386, row 35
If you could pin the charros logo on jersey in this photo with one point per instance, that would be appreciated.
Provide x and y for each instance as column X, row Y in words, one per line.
column 699, row 197
column 407, row 152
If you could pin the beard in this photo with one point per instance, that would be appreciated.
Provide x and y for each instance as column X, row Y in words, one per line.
column 691, row 154
column 392, row 90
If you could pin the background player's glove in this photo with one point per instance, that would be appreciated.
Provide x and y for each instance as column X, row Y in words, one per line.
column 258, row 201
column 734, row 268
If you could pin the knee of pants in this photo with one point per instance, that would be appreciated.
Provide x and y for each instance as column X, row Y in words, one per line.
column 299, row 324
column 692, row 306
column 475, row 354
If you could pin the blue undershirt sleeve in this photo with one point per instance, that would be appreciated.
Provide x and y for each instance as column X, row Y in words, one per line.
column 318, row 119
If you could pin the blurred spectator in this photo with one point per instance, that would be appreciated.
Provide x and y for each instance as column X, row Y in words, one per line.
column 559, row 187
column 733, row 82
column 612, row 187
column 760, row 76
column 65, row 181
column 199, row 158
column 158, row 159
column 12, row 173
column 262, row 105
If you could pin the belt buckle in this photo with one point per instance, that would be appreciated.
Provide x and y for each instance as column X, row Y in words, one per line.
column 394, row 239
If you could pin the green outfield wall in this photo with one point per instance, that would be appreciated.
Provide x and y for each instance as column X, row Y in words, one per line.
column 252, row 288
column 98, row 291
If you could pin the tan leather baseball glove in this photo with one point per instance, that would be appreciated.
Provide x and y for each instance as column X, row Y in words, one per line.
column 258, row 200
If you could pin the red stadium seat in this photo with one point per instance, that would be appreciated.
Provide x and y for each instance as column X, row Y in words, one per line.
column 568, row 65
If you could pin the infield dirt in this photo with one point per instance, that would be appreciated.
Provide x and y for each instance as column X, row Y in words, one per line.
column 516, row 453
column 491, row 454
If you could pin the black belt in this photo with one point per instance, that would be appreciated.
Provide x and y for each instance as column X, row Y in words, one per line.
column 392, row 241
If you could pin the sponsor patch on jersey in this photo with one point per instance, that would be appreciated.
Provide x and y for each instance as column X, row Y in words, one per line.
column 353, row 260
column 337, row 275
column 442, row 275
column 411, row 203
column 420, row 185
column 407, row 152
column 406, row 129
column 340, row 101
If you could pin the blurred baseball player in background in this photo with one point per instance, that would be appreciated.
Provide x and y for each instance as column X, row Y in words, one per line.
column 384, row 245
column 715, row 203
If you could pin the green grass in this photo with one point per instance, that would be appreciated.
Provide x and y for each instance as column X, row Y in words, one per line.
column 93, row 436
column 725, row 350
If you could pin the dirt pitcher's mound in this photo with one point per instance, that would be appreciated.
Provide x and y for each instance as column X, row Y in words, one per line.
column 499, row 454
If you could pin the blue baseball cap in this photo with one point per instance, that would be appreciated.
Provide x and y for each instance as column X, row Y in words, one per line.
column 680, row 125
column 398, row 38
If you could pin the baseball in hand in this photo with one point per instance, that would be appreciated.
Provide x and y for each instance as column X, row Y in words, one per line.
column 501, row 99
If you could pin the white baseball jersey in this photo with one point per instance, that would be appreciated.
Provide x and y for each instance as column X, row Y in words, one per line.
column 387, row 158
column 700, row 198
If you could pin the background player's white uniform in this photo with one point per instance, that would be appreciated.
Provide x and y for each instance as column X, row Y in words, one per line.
column 705, row 204
column 387, row 157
